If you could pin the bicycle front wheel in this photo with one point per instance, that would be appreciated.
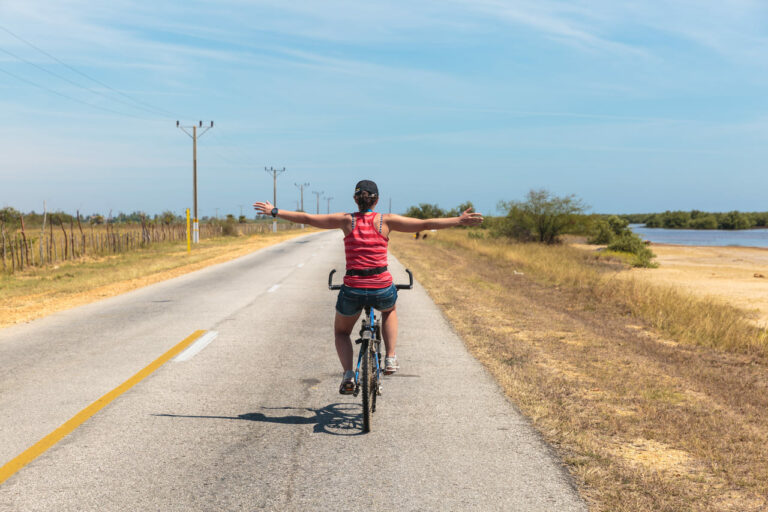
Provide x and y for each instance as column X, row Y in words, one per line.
column 368, row 379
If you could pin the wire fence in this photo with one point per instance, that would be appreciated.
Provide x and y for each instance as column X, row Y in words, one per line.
column 49, row 245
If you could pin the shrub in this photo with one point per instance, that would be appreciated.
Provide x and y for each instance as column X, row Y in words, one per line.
column 605, row 231
column 601, row 234
column 632, row 244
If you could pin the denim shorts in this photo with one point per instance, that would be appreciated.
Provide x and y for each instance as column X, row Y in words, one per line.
column 352, row 300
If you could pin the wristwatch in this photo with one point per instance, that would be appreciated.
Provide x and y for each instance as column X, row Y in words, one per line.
column 274, row 212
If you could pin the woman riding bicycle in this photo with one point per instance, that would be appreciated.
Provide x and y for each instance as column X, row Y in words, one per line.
column 367, row 281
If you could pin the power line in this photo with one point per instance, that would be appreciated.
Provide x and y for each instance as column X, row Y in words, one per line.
column 274, row 173
column 157, row 109
column 61, row 77
column 57, row 93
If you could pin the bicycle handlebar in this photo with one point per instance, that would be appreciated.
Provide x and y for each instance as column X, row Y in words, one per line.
column 408, row 286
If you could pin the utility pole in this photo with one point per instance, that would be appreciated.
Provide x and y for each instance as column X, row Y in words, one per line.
column 301, row 186
column 274, row 173
column 328, row 207
column 217, row 213
column 194, row 135
column 318, row 194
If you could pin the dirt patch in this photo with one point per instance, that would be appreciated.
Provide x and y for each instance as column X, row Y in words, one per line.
column 728, row 274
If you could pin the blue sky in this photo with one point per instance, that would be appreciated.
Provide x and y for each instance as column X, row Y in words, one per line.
column 632, row 106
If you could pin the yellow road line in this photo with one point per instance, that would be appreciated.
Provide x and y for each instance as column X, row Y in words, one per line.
column 37, row 449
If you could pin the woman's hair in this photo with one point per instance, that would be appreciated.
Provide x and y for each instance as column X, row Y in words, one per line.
column 365, row 200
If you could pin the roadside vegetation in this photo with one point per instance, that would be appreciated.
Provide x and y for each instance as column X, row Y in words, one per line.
column 655, row 400
column 545, row 218
column 696, row 219
column 38, row 240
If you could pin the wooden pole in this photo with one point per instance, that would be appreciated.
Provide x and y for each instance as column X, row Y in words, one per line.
column 82, row 235
column 24, row 240
column 2, row 231
column 66, row 242
column 42, row 236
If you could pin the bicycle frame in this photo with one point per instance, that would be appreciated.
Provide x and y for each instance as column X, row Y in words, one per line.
column 371, row 332
column 370, row 349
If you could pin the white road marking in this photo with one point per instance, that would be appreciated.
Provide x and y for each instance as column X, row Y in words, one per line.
column 196, row 347
column 274, row 287
column 301, row 265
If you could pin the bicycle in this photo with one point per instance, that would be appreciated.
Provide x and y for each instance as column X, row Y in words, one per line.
column 369, row 358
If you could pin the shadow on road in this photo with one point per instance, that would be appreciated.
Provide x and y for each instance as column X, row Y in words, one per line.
column 339, row 419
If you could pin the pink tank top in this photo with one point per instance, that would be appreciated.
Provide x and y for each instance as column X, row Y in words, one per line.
column 366, row 247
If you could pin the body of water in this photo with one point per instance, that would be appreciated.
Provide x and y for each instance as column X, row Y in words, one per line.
column 719, row 237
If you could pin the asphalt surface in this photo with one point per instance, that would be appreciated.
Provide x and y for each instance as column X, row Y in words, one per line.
column 254, row 421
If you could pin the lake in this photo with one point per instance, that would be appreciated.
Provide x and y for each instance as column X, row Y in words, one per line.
column 718, row 237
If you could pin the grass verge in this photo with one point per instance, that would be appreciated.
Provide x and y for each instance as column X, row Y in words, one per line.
column 37, row 292
column 642, row 421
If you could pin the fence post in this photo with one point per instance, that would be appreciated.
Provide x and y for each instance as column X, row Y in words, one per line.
column 2, row 231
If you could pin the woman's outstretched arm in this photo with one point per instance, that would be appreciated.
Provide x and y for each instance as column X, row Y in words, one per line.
column 331, row 221
column 411, row 225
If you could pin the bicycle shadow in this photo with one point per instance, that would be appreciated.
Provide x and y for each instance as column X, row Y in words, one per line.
column 339, row 419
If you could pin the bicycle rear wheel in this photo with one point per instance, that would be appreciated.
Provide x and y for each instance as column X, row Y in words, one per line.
column 368, row 384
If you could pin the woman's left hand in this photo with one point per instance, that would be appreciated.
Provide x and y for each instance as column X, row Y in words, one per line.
column 264, row 208
column 470, row 219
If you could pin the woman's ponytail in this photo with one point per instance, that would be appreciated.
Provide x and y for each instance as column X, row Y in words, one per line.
column 365, row 201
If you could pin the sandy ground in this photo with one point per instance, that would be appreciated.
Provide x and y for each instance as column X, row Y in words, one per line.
column 731, row 274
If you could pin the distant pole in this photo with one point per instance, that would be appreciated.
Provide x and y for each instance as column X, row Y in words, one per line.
column 301, row 186
column 217, row 213
column 318, row 194
column 194, row 135
column 189, row 238
column 328, row 207
column 274, row 172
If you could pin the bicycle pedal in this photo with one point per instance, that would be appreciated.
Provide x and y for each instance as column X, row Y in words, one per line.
column 358, row 341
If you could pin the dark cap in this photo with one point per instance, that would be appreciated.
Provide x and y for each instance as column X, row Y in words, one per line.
column 367, row 186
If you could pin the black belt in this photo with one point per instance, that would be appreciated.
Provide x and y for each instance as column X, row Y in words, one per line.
column 366, row 271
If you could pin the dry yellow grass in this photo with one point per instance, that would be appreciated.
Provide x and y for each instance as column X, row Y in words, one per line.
column 37, row 292
column 687, row 317
column 643, row 421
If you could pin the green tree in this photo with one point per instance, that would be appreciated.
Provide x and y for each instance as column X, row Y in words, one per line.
column 704, row 222
column 9, row 216
column 425, row 211
column 456, row 212
column 734, row 220
column 542, row 217
column 676, row 220
column 167, row 217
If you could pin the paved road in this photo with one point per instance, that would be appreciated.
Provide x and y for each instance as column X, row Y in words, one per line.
column 254, row 421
